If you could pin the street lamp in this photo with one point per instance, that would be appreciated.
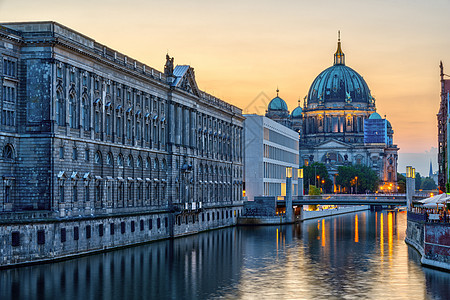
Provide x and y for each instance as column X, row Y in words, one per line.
column 289, row 172
column 356, row 178
column 288, row 198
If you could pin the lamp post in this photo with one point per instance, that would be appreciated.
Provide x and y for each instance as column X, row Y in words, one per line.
column 410, row 185
column 300, row 188
column 356, row 181
column 289, row 213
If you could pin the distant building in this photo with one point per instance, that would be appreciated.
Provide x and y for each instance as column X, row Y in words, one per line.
column 269, row 149
column 338, row 123
column 443, row 130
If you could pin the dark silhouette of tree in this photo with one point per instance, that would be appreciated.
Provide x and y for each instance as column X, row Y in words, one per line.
column 357, row 178
column 323, row 180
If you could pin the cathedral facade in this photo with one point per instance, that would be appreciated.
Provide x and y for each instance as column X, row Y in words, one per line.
column 338, row 124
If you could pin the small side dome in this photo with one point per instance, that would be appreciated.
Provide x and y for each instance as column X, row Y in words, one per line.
column 297, row 113
column 277, row 104
column 375, row 116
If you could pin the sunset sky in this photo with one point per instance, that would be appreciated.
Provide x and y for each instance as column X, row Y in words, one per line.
column 242, row 50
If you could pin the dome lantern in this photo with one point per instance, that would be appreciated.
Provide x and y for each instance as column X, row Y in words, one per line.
column 339, row 56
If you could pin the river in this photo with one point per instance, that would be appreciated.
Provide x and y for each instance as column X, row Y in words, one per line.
column 355, row 256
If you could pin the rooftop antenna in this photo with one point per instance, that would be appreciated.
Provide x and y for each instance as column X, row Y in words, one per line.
column 277, row 90
column 339, row 35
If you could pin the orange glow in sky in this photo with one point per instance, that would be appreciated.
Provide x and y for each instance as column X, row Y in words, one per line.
column 243, row 50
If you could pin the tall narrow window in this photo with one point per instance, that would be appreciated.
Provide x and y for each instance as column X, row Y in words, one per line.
column 72, row 112
column 86, row 114
column 74, row 194
column 119, row 127
column 60, row 109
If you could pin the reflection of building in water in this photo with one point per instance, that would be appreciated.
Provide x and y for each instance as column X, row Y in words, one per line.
column 187, row 268
column 338, row 123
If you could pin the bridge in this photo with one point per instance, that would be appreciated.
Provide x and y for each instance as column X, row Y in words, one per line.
column 348, row 199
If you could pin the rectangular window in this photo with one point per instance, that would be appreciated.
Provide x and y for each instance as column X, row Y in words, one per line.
column 111, row 228
column 41, row 237
column 61, row 152
column 122, row 227
column 150, row 224
column 132, row 226
column 74, row 154
column 86, row 154
column 63, row 235
column 15, row 238
column 142, row 225
column 158, row 223
column 61, row 194
column 88, row 231
column 166, row 221
column 76, row 233
column 100, row 230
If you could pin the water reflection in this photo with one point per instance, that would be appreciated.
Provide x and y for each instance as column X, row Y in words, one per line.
column 354, row 256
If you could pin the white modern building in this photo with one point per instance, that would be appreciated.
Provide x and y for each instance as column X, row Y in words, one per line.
column 269, row 149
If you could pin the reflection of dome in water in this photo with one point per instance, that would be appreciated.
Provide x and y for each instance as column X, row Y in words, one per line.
column 339, row 83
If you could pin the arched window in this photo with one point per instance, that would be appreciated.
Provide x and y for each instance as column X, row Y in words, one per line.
column 130, row 161
column 139, row 162
column 86, row 113
column 120, row 160
column 98, row 158
column 109, row 159
column 72, row 111
column 147, row 163
column 60, row 109
column 155, row 164
column 163, row 164
column 8, row 152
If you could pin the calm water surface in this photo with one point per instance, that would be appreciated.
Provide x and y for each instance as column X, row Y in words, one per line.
column 355, row 256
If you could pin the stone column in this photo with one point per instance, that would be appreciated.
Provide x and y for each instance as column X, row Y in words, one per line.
column 410, row 185
column 289, row 212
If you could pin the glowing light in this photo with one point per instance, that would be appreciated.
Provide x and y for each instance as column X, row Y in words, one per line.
column 289, row 172
column 323, row 232
column 356, row 229
column 381, row 235
column 390, row 234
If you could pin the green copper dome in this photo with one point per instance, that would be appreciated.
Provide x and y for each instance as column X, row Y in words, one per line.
column 297, row 112
column 277, row 104
column 375, row 116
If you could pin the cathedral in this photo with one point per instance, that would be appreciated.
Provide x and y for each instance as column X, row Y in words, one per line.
column 338, row 124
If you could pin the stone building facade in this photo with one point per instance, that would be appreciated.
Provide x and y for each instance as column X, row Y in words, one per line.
column 443, row 124
column 86, row 130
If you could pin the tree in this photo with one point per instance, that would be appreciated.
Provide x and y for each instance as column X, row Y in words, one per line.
column 310, row 174
column 418, row 180
column 401, row 182
column 360, row 178
column 428, row 184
